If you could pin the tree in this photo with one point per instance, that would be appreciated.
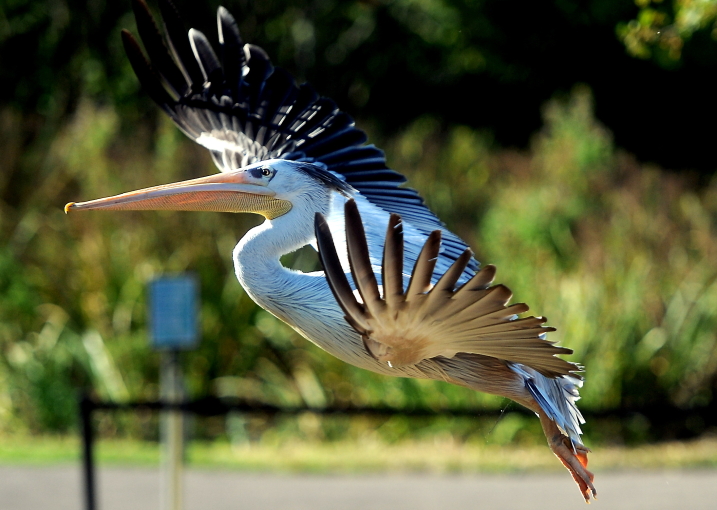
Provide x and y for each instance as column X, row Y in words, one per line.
column 661, row 29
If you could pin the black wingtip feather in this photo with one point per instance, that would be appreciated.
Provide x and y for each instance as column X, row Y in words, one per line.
column 157, row 52
column 232, row 46
column 179, row 44
column 205, row 56
column 146, row 75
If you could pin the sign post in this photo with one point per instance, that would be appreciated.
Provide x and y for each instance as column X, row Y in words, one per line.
column 173, row 303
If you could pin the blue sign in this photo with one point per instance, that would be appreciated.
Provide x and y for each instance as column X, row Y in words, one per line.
column 173, row 306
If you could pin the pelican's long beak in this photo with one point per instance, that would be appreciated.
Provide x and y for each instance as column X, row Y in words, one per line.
column 234, row 191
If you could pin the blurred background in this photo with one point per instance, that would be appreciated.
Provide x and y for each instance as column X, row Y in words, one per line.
column 571, row 143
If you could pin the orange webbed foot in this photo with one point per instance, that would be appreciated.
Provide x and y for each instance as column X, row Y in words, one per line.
column 575, row 459
column 573, row 456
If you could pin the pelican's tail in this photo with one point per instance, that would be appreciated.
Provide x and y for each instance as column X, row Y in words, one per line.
column 557, row 397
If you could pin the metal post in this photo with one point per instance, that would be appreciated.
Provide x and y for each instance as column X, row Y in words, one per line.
column 86, row 407
column 172, row 432
column 173, row 305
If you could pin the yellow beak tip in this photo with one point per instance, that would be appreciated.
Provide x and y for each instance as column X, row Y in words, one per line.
column 68, row 206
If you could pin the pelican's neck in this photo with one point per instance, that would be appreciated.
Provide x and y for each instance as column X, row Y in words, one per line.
column 270, row 240
column 256, row 257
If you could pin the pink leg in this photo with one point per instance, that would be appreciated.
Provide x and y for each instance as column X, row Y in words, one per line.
column 573, row 457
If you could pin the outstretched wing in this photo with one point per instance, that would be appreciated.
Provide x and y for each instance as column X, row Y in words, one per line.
column 404, row 327
column 244, row 110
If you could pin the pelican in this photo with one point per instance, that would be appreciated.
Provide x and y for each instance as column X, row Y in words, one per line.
column 400, row 295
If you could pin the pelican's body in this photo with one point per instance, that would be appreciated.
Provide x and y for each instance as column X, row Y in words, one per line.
column 305, row 302
column 289, row 155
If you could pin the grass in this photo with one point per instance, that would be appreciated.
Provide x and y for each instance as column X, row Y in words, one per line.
column 440, row 456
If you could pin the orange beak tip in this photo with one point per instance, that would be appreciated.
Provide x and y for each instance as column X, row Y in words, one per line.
column 68, row 206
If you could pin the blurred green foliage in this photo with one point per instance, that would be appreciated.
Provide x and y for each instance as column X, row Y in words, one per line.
column 661, row 28
column 487, row 64
column 620, row 255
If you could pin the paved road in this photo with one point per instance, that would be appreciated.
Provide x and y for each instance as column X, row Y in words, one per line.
column 57, row 488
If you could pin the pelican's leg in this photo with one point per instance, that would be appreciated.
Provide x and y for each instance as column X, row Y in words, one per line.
column 573, row 456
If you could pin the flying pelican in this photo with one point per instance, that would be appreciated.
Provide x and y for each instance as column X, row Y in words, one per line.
column 295, row 158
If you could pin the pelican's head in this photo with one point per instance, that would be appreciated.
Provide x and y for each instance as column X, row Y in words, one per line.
column 269, row 188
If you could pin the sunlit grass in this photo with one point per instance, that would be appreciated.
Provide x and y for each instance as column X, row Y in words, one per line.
column 434, row 456
column 441, row 457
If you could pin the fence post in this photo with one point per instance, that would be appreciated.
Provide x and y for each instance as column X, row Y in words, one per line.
column 86, row 408
column 172, row 433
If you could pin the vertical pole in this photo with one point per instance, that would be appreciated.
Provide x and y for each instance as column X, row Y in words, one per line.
column 86, row 407
column 172, row 432
column 173, row 304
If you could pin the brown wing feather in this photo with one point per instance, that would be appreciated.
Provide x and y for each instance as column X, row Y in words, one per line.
column 425, row 264
column 424, row 322
column 443, row 290
column 392, row 269
column 360, row 261
column 339, row 284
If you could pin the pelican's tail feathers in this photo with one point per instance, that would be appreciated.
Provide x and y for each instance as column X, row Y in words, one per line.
column 557, row 397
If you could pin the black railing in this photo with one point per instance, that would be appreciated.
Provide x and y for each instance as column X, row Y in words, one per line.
column 216, row 407
column 665, row 422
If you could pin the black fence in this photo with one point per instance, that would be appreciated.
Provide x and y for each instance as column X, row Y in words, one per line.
column 663, row 422
column 218, row 407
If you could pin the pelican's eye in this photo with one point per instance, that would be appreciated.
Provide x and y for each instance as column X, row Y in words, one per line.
column 262, row 172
